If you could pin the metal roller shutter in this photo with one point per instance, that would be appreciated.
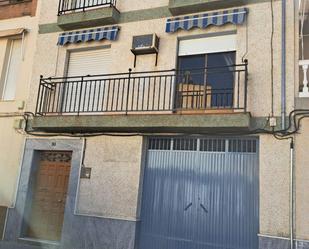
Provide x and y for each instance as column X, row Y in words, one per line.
column 206, row 45
column 90, row 62
column 84, row 94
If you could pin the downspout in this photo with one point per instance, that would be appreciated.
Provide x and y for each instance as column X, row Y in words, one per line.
column 283, row 66
column 292, row 194
column 283, row 114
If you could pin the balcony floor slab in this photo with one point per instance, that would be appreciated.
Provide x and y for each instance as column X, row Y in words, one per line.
column 159, row 123
column 84, row 19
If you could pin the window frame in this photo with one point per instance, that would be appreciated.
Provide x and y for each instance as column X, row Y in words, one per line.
column 6, row 66
column 178, row 63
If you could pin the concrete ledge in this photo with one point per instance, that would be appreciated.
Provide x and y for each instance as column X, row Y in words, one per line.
column 160, row 123
column 301, row 103
column 89, row 18
column 178, row 7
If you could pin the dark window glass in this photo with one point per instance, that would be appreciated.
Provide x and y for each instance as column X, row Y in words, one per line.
column 185, row 144
column 159, row 144
column 206, row 80
column 213, row 145
column 220, row 78
column 246, row 146
column 192, row 69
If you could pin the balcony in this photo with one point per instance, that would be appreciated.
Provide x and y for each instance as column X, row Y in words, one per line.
column 179, row 7
column 304, row 92
column 74, row 14
column 302, row 100
column 94, row 101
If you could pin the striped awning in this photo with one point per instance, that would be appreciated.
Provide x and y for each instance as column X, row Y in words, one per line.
column 218, row 18
column 98, row 34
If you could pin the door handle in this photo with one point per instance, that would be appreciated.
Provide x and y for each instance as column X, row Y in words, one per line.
column 188, row 206
column 59, row 201
column 204, row 208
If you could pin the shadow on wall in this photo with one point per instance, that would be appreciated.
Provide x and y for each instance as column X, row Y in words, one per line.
column 3, row 211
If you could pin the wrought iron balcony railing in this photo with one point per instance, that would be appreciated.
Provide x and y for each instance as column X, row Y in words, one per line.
column 304, row 92
column 66, row 6
column 223, row 88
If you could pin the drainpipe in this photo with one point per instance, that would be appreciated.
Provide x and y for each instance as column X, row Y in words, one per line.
column 292, row 194
column 283, row 114
column 283, row 66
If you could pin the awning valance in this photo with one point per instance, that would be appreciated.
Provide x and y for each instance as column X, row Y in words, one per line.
column 98, row 34
column 12, row 32
column 218, row 18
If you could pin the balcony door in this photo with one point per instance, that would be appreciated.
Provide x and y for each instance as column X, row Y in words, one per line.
column 206, row 73
column 83, row 90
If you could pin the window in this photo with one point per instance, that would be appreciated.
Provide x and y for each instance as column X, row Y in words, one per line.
column 304, row 32
column 11, row 69
column 206, row 72
column 83, row 63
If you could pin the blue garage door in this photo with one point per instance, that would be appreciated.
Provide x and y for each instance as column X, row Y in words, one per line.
column 200, row 193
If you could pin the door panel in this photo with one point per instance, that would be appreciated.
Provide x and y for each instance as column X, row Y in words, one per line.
column 200, row 195
column 49, row 196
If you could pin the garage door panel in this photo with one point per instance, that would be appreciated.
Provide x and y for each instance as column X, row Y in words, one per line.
column 172, row 192
column 229, row 191
column 205, row 197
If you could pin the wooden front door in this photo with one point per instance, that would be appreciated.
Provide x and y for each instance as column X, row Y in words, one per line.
column 49, row 195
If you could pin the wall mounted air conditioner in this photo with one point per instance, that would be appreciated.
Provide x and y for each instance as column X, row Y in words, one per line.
column 145, row 44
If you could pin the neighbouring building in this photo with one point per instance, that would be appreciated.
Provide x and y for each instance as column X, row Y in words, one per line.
column 164, row 125
column 18, row 32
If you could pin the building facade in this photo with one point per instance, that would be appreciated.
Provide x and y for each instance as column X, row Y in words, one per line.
column 18, row 32
column 164, row 124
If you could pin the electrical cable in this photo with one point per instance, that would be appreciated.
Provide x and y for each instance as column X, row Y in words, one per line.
column 293, row 127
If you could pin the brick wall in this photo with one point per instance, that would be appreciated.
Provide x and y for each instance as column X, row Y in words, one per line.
column 17, row 9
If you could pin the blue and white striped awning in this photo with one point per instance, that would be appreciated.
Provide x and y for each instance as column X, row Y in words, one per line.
column 218, row 18
column 98, row 34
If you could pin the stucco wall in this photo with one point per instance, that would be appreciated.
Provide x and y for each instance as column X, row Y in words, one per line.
column 11, row 141
column 113, row 189
column 11, row 153
column 274, row 186
column 302, row 181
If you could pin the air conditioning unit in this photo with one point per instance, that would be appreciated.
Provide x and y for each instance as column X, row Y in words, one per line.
column 145, row 44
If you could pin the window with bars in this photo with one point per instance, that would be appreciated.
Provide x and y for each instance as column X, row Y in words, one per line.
column 231, row 145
